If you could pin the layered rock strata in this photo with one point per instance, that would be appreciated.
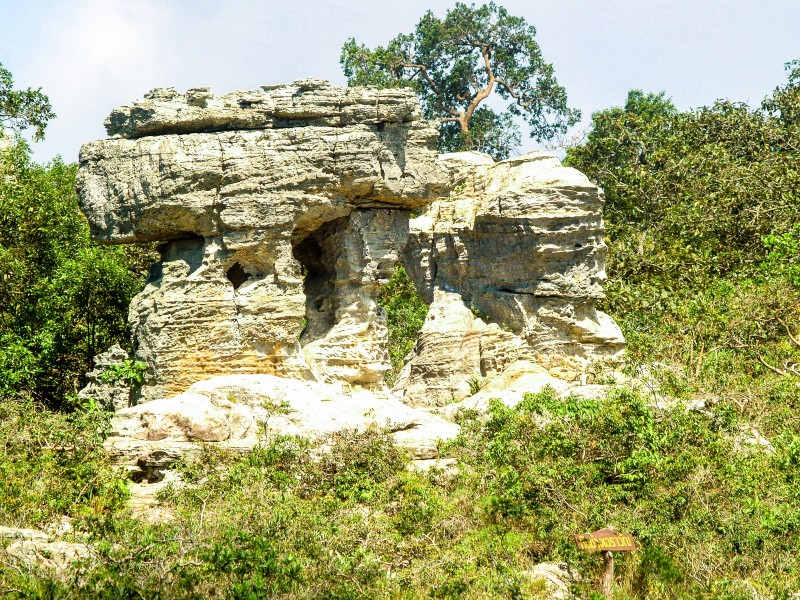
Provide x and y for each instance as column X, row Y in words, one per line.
column 513, row 264
column 283, row 211
column 110, row 395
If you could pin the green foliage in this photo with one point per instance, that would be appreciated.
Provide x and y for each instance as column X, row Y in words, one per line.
column 784, row 104
column 21, row 109
column 455, row 63
column 784, row 255
column 256, row 567
column 352, row 521
column 129, row 372
column 63, row 298
column 405, row 316
column 702, row 229
column 476, row 382
column 496, row 134
column 670, row 476
column 356, row 464
column 54, row 465
column 717, row 181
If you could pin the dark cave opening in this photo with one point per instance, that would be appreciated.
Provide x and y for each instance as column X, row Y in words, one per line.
column 316, row 252
column 237, row 275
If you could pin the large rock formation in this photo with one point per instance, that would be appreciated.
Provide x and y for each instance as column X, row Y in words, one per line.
column 239, row 411
column 282, row 211
column 512, row 262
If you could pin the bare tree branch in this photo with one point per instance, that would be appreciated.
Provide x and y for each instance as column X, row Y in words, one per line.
column 515, row 95
column 788, row 331
column 771, row 368
column 423, row 70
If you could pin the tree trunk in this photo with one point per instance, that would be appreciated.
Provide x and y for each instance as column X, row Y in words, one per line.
column 464, row 124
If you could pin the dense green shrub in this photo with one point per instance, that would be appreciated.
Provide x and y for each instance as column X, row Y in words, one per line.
column 701, row 219
column 53, row 465
column 63, row 298
column 716, row 181
column 713, row 518
column 671, row 476
column 784, row 255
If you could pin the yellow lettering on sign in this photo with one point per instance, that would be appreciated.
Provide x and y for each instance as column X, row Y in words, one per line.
column 617, row 540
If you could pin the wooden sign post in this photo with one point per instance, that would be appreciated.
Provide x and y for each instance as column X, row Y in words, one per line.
column 606, row 540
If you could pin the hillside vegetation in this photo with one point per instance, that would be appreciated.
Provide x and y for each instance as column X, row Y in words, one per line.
column 704, row 278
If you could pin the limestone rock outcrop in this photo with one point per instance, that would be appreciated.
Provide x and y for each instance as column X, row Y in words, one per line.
column 518, row 245
column 236, row 412
column 304, row 103
column 108, row 394
column 282, row 212
column 33, row 549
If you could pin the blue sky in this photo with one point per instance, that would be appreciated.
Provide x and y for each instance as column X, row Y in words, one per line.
column 92, row 55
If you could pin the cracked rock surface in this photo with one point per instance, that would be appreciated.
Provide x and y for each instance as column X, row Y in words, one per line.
column 512, row 264
column 281, row 212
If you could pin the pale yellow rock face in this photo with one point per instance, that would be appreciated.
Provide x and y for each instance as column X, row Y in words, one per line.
column 283, row 211
column 239, row 411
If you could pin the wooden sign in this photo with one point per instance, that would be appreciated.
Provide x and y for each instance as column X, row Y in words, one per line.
column 606, row 540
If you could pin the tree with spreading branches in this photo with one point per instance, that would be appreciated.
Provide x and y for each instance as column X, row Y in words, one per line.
column 455, row 64
column 21, row 109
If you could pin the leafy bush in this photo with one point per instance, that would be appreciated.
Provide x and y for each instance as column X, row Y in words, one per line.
column 63, row 297
column 129, row 372
column 356, row 464
column 54, row 465
column 784, row 255
column 405, row 316
column 701, row 219
column 671, row 476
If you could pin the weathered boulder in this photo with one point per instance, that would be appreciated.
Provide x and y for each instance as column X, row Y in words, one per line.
column 177, row 172
column 283, row 211
column 33, row 549
column 518, row 244
column 304, row 103
column 556, row 579
column 109, row 395
column 21, row 533
column 509, row 386
column 236, row 412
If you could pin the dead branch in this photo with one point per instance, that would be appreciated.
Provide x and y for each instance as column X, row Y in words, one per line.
column 771, row 368
column 788, row 331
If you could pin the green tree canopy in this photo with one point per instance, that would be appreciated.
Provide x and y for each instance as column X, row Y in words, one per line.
column 63, row 298
column 717, row 183
column 21, row 109
column 456, row 63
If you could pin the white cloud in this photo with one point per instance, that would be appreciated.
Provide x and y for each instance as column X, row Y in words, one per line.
column 92, row 55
